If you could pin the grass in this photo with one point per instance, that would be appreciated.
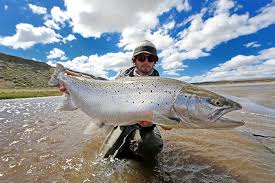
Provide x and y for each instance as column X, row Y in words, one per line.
column 28, row 93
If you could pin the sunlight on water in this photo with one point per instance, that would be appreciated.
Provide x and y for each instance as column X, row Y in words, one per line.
column 40, row 144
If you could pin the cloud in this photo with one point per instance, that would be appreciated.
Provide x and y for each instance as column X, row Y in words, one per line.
column 37, row 9
column 253, row 44
column 51, row 24
column 137, row 21
column 171, row 56
column 92, row 18
column 185, row 6
column 223, row 27
column 57, row 54
column 27, row 35
column 6, row 7
column 69, row 38
column 100, row 65
column 242, row 67
column 56, row 19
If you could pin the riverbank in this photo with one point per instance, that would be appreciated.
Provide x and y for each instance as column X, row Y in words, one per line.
column 28, row 93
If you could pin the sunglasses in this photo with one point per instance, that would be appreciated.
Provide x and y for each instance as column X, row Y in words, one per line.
column 150, row 58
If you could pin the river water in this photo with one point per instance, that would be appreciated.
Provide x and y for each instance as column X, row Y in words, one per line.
column 40, row 144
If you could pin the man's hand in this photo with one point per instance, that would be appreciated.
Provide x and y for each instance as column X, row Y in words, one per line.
column 62, row 87
column 145, row 123
column 71, row 73
column 165, row 127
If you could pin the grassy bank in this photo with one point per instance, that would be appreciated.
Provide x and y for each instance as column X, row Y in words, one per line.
column 28, row 93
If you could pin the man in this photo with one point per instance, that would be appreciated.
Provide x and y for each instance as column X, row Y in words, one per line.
column 119, row 143
column 144, row 59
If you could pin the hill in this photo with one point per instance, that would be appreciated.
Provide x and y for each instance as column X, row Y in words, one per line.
column 16, row 72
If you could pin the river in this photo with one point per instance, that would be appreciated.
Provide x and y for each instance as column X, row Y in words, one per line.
column 40, row 144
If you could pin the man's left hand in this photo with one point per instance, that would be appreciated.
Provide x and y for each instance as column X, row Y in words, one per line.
column 165, row 127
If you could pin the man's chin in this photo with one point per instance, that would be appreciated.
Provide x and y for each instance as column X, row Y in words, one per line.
column 146, row 70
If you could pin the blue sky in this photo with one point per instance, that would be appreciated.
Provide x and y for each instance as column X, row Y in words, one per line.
column 196, row 40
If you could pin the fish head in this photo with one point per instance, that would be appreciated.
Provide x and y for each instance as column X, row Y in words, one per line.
column 201, row 108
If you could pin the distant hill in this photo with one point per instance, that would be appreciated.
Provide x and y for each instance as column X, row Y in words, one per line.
column 16, row 72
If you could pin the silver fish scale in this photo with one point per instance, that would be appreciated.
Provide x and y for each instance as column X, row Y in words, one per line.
column 123, row 99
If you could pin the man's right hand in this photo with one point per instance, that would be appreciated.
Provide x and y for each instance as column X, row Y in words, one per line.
column 62, row 87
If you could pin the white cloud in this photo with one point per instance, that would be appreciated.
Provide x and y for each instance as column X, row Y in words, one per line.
column 51, row 63
column 6, row 7
column 185, row 6
column 59, row 15
column 170, row 25
column 100, row 65
column 267, row 53
column 223, row 27
column 27, row 35
column 57, row 54
column 242, row 67
column 223, row 6
column 51, row 24
column 56, row 19
column 192, row 42
column 92, row 18
column 69, row 38
column 139, row 20
column 253, row 44
column 38, row 9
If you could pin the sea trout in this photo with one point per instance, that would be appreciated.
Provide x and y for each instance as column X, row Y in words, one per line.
column 164, row 101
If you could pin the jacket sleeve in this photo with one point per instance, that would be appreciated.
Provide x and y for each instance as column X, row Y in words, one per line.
column 121, row 74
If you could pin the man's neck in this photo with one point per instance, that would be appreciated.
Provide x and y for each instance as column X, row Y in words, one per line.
column 138, row 73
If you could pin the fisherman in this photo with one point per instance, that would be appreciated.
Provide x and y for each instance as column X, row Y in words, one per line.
column 150, row 143
column 144, row 59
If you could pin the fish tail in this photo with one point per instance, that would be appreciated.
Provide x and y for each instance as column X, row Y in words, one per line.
column 54, row 81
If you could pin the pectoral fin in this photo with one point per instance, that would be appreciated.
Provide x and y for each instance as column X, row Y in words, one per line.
column 67, row 104
column 94, row 126
column 163, row 120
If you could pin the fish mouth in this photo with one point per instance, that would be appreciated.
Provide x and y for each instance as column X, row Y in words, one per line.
column 217, row 114
column 224, row 123
column 220, row 112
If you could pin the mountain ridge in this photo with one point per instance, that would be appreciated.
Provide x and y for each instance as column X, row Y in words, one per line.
column 17, row 72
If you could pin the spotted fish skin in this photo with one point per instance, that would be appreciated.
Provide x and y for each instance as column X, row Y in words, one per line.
column 164, row 101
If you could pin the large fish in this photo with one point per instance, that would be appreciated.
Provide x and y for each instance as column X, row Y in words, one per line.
column 126, row 101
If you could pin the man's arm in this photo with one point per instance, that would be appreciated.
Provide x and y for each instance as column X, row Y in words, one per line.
column 149, row 124
column 62, row 87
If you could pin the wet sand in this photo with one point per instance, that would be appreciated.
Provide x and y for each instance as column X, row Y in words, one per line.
column 40, row 144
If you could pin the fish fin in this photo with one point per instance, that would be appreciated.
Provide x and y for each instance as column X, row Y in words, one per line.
column 67, row 104
column 93, row 127
column 162, row 120
column 54, row 81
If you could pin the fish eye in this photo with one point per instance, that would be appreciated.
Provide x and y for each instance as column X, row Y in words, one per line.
column 216, row 102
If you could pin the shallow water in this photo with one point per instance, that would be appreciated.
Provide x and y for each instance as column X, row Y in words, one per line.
column 39, row 144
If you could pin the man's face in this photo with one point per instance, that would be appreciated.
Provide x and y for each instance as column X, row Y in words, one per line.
column 144, row 63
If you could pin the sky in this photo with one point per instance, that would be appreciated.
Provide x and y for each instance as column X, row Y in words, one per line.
column 207, row 40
